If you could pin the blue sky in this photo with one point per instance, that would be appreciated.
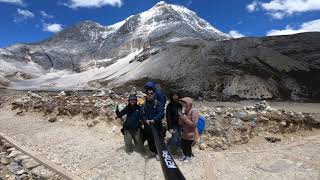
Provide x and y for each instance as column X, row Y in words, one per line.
column 35, row 20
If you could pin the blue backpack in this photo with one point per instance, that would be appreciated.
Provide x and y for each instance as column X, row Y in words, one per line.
column 201, row 124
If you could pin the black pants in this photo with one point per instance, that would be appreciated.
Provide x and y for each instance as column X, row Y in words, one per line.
column 186, row 146
column 149, row 137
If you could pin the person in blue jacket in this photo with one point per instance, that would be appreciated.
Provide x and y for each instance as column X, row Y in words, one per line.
column 153, row 113
column 158, row 93
column 132, row 124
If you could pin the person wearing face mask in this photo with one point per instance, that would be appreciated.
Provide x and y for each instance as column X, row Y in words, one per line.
column 131, row 126
column 188, row 119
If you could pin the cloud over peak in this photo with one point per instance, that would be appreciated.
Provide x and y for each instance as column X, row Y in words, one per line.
column 54, row 28
column 74, row 4
column 279, row 9
column 310, row 26
column 236, row 34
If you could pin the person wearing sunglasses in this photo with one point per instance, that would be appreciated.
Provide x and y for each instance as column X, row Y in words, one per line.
column 159, row 95
column 153, row 113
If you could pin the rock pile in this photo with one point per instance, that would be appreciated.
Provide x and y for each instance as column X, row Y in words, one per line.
column 227, row 126
column 99, row 104
column 224, row 127
column 16, row 165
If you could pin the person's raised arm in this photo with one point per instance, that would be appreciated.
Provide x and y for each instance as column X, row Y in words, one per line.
column 123, row 112
column 191, row 122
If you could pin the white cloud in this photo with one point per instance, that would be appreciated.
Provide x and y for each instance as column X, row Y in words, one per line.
column 253, row 6
column 17, row 2
column 22, row 15
column 46, row 15
column 309, row 26
column 236, row 34
column 54, row 28
column 74, row 4
column 25, row 13
column 279, row 9
column 277, row 15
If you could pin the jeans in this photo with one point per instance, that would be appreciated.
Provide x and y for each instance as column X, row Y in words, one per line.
column 175, row 139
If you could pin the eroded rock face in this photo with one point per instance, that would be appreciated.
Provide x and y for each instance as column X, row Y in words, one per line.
column 246, row 68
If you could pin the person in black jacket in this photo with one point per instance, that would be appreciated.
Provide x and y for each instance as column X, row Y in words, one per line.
column 132, row 124
column 172, row 117
column 153, row 113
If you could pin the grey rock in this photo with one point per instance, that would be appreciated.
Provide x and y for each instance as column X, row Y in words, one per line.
column 20, row 172
column 14, row 154
column 53, row 119
column 14, row 167
column 272, row 139
column 25, row 177
column 42, row 172
column 21, row 158
column 11, row 177
column 4, row 160
column 11, row 149
column 30, row 164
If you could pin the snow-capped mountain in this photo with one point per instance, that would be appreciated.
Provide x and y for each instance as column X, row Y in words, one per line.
column 172, row 45
column 88, row 41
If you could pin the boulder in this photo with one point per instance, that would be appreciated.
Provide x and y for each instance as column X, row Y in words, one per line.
column 42, row 172
column 52, row 119
column 30, row 164
column 14, row 154
column 4, row 160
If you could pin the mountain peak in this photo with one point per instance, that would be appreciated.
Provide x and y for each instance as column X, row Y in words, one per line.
column 161, row 3
column 88, row 23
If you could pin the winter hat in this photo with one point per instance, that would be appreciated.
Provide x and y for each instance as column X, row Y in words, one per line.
column 132, row 97
column 187, row 100
column 151, row 84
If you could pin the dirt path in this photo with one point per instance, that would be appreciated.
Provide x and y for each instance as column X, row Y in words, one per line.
column 98, row 152
column 95, row 153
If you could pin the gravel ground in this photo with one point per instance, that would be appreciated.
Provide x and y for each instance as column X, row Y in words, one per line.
column 98, row 152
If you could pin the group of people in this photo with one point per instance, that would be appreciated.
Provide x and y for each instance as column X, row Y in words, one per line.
column 180, row 115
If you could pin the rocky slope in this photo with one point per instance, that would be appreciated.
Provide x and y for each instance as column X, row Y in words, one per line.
column 173, row 46
column 283, row 67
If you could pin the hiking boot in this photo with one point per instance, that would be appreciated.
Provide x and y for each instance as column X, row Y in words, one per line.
column 182, row 158
column 157, row 157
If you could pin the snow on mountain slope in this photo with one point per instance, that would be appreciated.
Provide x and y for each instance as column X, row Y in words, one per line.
column 25, row 67
column 165, row 16
column 65, row 79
